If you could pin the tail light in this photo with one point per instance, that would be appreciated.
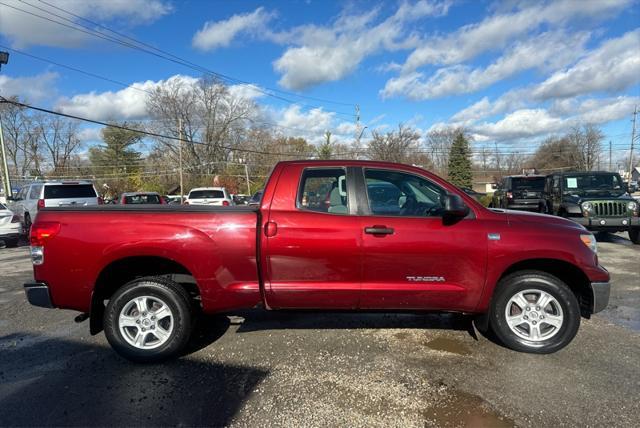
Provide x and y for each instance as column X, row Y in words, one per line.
column 225, row 203
column 509, row 195
column 40, row 204
column 15, row 219
column 43, row 230
column 40, row 233
column 100, row 201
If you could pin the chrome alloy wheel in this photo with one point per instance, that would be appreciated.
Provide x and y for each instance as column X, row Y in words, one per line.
column 146, row 322
column 534, row 315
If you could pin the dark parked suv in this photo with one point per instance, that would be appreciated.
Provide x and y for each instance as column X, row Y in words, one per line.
column 520, row 192
column 597, row 200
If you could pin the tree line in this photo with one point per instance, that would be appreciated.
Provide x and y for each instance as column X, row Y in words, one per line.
column 225, row 137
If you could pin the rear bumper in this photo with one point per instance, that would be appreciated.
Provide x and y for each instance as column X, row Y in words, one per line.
column 12, row 231
column 38, row 294
column 608, row 223
column 600, row 292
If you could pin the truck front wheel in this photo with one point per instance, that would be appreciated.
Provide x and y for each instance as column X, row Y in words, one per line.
column 149, row 320
column 634, row 235
column 534, row 312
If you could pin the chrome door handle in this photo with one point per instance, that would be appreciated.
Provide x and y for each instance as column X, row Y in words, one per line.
column 378, row 230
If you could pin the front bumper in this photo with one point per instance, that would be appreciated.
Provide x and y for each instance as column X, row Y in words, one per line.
column 12, row 231
column 607, row 223
column 38, row 294
column 600, row 292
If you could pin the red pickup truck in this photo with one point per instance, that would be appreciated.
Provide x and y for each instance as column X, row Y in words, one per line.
column 333, row 235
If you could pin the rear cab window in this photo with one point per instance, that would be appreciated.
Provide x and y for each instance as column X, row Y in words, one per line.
column 323, row 190
column 528, row 183
column 68, row 191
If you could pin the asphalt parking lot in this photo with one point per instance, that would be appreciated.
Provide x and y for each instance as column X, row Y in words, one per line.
column 296, row 369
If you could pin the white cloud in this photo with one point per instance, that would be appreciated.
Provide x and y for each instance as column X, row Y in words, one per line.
column 24, row 29
column 329, row 53
column 548, row 50
column 520, row 124
column 614, row 66
column 32, row 89
column 496, row 31
column 509, row 101
column 126, row 104
column 218, row 34
column 89, row 135
column 247, row 91
column 314, row 120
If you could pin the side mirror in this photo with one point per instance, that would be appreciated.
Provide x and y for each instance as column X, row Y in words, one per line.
column 454, row 207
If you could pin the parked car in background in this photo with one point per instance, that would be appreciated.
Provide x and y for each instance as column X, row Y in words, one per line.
column 139, row 198
column 209, row 196
column 256, row 198
column 597, row 200
column 520, row 192
column 10, row 227
column 241, row 199
column 36, row 196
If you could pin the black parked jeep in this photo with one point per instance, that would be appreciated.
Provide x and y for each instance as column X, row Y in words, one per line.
column 597, row 200
column 520, row 192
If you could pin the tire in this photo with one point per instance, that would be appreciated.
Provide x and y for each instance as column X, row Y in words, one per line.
column 11, row 242
column 27, row 224
column 143, row 337
column 634, row 235
column 560, row 315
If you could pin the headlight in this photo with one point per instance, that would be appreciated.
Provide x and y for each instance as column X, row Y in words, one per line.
column 590, row 241
column 632, row 206
column 587, row 206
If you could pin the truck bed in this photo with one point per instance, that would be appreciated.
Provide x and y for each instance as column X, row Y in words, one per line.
column 214, row 245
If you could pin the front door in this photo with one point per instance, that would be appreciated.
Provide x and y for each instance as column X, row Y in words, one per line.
column 313, row 248
column 412, row 258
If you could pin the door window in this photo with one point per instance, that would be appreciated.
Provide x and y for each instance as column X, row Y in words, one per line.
column 393, row 193
column 324, row 190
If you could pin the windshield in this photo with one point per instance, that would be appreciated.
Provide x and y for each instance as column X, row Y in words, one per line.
column 528, row 183
column 142, row 199
column 2, row 207
column 206, row 194
column 610, row 184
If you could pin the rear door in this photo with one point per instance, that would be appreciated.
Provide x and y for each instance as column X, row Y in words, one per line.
column 412, row 259
column 69, row 195
column 312, row 240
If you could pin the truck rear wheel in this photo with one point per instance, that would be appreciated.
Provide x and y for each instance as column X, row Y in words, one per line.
column 149, row 320
column 634, row 235
column 534, row 312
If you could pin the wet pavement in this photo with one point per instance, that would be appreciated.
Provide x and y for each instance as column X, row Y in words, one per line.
column 316, row 369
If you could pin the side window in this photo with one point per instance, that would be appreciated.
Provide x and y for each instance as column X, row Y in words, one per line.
column 394, row 193
column 556, row 183
column 35, row 192
column 23, row 193
column 324, row 190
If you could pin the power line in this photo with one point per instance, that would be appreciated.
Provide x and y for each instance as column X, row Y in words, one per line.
column 161, row 53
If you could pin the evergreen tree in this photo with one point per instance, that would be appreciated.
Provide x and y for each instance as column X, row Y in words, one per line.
column 460, row 172
column 117, row 162
column 325, row 150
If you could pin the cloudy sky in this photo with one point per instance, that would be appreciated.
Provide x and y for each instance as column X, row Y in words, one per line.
column 513, row 72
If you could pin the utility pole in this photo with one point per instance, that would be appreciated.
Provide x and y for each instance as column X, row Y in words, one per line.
column 609, row 155
column 4, row 59
column 358, row 131
column 180, row 158
column 633, row 137
column 5, row 167
column 246, row 174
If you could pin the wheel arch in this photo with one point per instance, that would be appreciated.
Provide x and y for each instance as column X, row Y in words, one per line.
column 568, row 273
column 121, row 271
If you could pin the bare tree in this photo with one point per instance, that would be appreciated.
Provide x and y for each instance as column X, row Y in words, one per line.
column 60, row 141
column 395, row 146
column 21, row 139
column 439, row 142
column 210, row 115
